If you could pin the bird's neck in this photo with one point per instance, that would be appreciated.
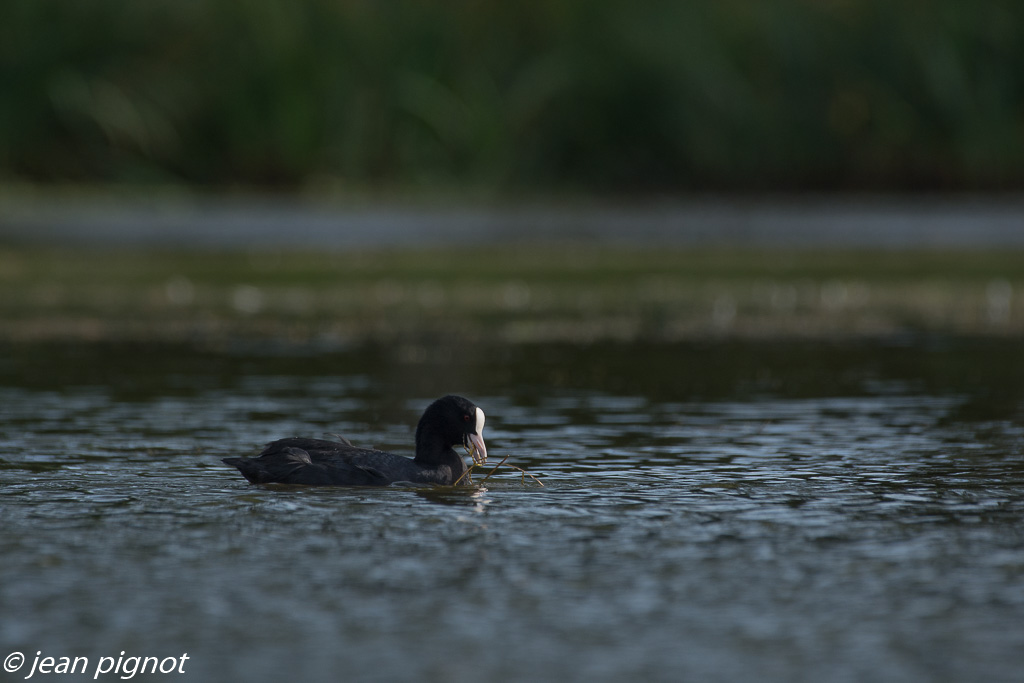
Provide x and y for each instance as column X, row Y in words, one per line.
column 434, row 455
column 432, row 450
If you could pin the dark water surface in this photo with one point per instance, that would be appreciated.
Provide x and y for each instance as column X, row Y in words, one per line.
column 717, row 512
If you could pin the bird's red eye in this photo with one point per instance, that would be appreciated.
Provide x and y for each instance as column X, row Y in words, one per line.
column 465, row 418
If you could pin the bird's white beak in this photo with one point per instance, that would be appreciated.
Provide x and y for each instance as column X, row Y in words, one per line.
column 478, row 449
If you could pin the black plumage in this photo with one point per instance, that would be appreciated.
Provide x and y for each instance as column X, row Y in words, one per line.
column 448, row 422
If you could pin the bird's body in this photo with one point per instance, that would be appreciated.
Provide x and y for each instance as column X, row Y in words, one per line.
column 317, row 462
column 448, row 422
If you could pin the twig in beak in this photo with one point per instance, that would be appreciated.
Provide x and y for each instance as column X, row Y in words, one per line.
column 526, row 474
column 495, row 469
column 463, row 475
column 476, row 448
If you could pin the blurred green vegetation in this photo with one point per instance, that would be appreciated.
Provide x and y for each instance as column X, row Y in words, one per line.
column 503, row 295
column 570, row 95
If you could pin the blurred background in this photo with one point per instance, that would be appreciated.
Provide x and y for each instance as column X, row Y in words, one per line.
column 553, row 96
column 665, row 128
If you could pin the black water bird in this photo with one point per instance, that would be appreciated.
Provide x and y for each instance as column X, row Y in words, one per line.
column 448, row 422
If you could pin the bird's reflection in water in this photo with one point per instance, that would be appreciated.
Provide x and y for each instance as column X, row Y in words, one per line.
column 467, row 496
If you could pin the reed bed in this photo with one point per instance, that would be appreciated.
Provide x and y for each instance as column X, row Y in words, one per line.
column 570, row 95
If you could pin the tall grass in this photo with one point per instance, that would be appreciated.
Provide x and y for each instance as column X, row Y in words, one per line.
column 582, row 95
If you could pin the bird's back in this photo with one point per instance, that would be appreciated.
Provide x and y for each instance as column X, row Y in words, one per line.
column 319, row 462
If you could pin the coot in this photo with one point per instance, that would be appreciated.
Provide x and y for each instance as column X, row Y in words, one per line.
column 448, row 422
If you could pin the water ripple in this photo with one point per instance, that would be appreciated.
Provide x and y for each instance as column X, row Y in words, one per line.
column 876, row 535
